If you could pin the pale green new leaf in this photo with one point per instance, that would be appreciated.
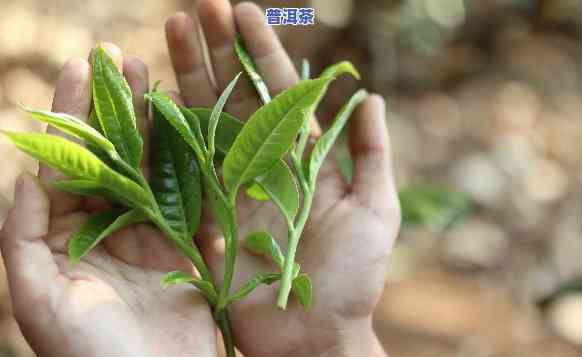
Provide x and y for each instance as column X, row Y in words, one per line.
column 114, row 108
column 280, row 185
column 174, row 116
column 88, row 188
column 251, row 70
column 73, row 126
column 303, row 290
column 97, row 227
column 205, row 287
column 326, row 141
column 344, row 67
column 215, row 116
column 270, row 132
column 263, row 243
column 77, row 162
column 255, row 192
column 305, row 69
column 252, row 284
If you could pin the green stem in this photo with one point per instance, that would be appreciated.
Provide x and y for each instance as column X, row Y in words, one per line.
column 295, row 235
column 231, row 241
column 227, row 337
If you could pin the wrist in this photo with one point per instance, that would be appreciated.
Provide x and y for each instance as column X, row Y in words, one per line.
column 356, row 340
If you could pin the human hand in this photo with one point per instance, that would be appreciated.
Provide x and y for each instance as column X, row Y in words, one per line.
column 111, row 303
column 352, row 227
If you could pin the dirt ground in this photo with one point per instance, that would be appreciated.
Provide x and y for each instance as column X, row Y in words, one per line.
column 485, row 97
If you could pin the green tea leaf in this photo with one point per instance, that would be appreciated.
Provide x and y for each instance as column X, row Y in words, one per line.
column 215, row 116
column 174, row 116
column 326, row 141
column 205, row 287
column 432, row 206
column 227, row 130
column 340, row 68
column 88, row 188
column 263, row 243
column 252, row 284
column 78, row 163
column 303, row 290
column 255, row 192
column 73, row 126
column 270, row 132
column 97, row 227
column 114, row 108
column 280, row 185
column 176, row 181
column 249, row 66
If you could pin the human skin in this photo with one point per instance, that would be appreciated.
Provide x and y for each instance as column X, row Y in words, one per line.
column 111, row 303
column 352, row 227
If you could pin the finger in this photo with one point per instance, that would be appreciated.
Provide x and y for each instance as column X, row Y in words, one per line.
column 30, row 266
column 72, row 96
column 268, row 53
column 136, row 74
column 372, row 182
column 219, row 29
column 187, row 55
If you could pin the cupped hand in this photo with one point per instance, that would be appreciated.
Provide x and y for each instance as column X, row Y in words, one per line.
column 351, row 228
column 111, row 303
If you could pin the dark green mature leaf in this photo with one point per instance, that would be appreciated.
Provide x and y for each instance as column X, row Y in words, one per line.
column 73, row 126
column 215, row 116
column 98, row 227
column 77, row 162
column 205, row 287
column 326, row 141
column 114, row 108
column 174, row 116
column 432, row 206
column 280, row 184
column 251, row 70
column 270, row 132
column 303, row 290
column 176, row 181
column 263, row 243
column 252, row 284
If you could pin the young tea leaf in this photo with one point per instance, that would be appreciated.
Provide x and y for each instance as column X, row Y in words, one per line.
column 205, row 287
column 340, row 68
column 263, row 243
column 249, row 66
column 174, row 116
column 255, row 192
column 226, row 132
column 114, row 108
column 270, row 132
column 326, row 141
column 97, row 227
column 303, row 290
column 88, row 188
column 73, row 126
column 252, row 284
column 176, row 181
column 77, row 162
column 280, row 185
column 215, row 116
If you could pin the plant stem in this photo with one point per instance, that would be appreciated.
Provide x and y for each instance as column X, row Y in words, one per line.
column 295, row 235
column 231, row 240
column 227, row 337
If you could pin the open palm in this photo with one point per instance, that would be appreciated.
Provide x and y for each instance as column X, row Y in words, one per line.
column 351, row 228
column 111, row 303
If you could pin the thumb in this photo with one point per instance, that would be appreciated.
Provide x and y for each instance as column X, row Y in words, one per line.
column 30, row 266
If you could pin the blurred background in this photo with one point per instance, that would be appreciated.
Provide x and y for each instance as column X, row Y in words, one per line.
column 485, row 109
